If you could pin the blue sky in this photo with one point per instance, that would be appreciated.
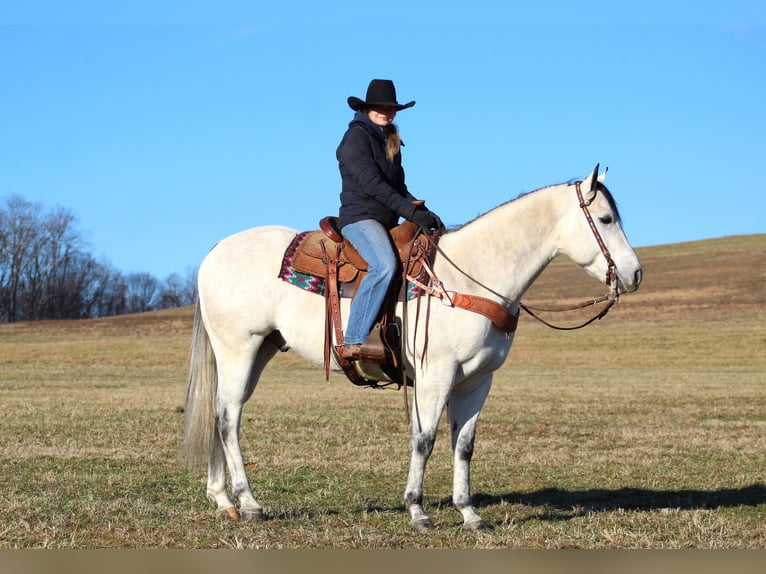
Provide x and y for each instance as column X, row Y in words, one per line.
column 167, row 126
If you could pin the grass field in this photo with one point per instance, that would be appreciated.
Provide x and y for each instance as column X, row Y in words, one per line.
column 645, row 430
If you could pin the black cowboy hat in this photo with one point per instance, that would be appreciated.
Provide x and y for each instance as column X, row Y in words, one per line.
column 379, row 93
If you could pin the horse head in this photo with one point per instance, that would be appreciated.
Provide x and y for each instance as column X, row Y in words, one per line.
column 598, row 242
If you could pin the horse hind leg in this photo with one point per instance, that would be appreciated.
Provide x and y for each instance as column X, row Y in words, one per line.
column 238, row 377
column 216, row 478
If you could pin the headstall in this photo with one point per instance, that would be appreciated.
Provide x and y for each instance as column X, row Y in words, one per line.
column 500, row 315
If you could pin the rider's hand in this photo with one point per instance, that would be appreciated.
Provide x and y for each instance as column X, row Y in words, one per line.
column 427, row 219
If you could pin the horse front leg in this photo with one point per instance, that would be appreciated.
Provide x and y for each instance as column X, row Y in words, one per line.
column 422, row 444
column 427, row 408
column 465, row 403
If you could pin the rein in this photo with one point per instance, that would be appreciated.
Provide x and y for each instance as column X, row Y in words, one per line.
column 436, row 288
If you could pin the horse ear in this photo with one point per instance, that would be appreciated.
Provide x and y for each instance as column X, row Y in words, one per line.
column 590, row 185
column 602, row 177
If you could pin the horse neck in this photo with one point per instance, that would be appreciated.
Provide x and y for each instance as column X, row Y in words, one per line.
column 505, row 249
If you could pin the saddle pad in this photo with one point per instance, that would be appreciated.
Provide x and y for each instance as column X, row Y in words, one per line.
column 305, row 281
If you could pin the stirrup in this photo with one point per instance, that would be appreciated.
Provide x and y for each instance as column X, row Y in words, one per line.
column 351, row 352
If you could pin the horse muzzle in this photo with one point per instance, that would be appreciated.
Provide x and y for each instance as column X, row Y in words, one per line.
column 631, row 285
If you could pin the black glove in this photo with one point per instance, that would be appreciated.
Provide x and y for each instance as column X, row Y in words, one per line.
column 426, row 218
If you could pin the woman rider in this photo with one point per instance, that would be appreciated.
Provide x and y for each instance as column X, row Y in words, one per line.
column 373, row 197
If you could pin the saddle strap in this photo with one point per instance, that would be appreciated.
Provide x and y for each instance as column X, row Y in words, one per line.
column 492, row 310
column 333, row 318
column 332, row 306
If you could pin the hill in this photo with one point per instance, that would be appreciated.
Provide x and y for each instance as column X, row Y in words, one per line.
column 701, row 280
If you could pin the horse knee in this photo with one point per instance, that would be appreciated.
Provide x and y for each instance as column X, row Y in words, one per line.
column 464, row 448
column 423, row 444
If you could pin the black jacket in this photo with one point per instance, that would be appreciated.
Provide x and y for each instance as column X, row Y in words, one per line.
column 372, row 187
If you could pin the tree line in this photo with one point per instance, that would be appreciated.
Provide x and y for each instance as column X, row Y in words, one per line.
column 46, row 271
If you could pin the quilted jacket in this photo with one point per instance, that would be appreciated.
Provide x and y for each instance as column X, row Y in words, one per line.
column 372, row 187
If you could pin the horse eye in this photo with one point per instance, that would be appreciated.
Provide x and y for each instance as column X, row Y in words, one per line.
column 606, row 219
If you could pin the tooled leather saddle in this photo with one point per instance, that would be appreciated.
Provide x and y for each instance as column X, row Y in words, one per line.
column 311, row 255
column 325, row 254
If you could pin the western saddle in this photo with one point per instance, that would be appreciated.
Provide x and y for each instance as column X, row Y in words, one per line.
column 325, row 253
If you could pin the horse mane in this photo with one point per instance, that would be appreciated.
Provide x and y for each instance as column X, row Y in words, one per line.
column 600, row 186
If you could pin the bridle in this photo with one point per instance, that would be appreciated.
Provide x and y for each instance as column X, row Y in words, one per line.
column 611, row 269
column 610, row 279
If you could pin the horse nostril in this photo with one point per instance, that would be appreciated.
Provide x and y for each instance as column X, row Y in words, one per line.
column 639, row 276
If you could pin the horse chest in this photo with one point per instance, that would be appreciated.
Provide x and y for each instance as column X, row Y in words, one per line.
column 487, row 358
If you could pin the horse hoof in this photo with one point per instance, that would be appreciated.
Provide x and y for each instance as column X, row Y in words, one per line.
column 422, row 524
column 256, row 514
column 232, row 513
column 476, row 525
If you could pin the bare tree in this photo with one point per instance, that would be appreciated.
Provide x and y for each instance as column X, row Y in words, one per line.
column 47, row 273
column 178, row 291
column 58, row 269
column 171, row 292
column 107, row 294
column 190, row 286
column 143, row 292
column 20, row 238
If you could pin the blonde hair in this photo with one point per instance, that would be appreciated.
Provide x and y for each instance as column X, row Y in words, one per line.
column 393, row 142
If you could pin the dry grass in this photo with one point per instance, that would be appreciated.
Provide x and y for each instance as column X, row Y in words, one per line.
column 645, row 430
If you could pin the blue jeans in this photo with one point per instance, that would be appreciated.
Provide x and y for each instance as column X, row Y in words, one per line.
column 373, row 242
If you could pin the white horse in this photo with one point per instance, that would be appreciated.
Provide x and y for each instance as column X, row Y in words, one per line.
column 245, row 315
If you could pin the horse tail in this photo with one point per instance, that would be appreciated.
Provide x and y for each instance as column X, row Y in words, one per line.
column 199, row 411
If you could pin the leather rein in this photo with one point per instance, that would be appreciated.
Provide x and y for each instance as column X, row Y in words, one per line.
column 498, row 313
